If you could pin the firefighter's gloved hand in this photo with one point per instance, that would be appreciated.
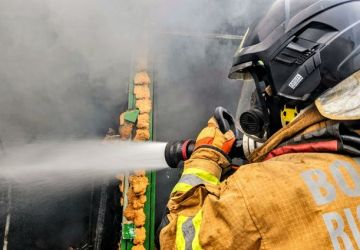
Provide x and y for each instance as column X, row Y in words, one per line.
column 211, row 149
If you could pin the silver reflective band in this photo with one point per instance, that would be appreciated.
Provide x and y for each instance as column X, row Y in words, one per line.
column 191, row 180
column 188, row 232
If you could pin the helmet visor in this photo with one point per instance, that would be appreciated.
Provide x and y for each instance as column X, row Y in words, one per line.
column 241, row 72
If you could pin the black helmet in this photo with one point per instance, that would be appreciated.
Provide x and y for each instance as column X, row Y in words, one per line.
column 301, row 48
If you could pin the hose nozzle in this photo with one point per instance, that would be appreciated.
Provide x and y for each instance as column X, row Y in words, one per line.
column 177, row 151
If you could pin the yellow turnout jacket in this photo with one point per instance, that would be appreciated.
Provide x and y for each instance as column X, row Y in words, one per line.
column 293, row 195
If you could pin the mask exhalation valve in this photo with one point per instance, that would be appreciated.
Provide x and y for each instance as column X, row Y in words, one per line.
column 252, row 122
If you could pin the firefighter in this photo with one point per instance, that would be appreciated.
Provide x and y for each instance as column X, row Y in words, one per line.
column 301, row 188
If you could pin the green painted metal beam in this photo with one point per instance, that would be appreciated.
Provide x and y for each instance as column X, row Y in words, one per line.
column 152, row 193
column 150, row 203
column 127, row 244
column 149, row 209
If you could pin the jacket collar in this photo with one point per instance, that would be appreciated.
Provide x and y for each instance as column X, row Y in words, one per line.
column 310, row 118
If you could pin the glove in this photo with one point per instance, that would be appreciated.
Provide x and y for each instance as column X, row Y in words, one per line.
column 211, row 149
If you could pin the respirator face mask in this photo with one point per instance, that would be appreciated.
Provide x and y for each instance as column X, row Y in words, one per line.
column 255, row 121
column 262, row 119
column 264, row 116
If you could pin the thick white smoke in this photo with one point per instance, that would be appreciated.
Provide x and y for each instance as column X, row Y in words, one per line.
column 65, row 65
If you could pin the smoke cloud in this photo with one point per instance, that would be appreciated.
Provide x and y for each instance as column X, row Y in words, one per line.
column 65, row 65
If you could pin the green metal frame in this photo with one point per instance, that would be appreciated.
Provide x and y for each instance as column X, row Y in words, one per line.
column 151, row 190
column 149, row 208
